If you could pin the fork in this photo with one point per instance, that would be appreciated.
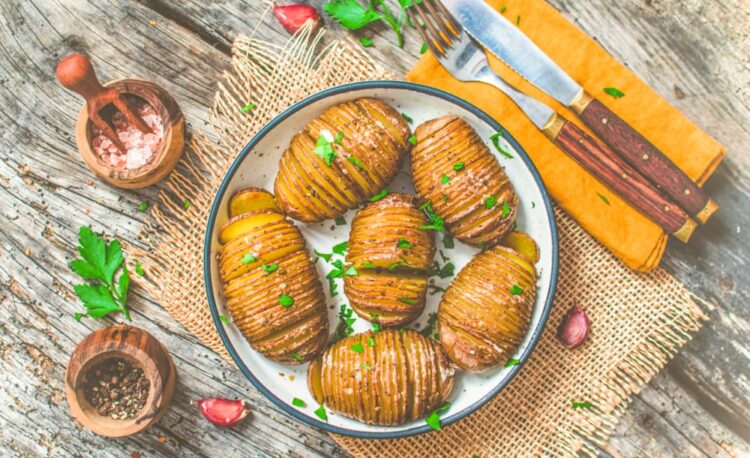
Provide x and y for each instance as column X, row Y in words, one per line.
column 466, row 61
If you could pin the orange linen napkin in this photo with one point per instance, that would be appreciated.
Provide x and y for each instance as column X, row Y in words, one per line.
column 633, row 238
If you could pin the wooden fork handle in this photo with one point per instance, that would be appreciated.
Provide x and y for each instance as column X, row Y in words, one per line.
column 644, row 157
column 620, row 177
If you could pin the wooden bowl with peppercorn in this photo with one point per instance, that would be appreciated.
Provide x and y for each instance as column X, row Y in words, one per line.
column 119, row 381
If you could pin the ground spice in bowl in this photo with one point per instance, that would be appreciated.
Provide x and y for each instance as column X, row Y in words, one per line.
column 116, row 389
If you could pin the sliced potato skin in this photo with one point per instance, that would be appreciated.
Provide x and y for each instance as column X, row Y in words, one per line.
column 459, row 197
column 391, row 254
column 250, row 199
column 403, row 377
column 374, row 144
column 480, row 322
column 290, row 335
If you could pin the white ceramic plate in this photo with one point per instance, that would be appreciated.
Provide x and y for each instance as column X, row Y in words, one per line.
column 257, row 165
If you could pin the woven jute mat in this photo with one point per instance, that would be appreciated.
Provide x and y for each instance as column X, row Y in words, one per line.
column 639, row 321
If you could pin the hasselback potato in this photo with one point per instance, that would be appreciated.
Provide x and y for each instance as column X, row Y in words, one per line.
column 341, row 159
column 485, row 312
column 391, row 254
column 399, row 376
column 455, row 171
column 270, row 285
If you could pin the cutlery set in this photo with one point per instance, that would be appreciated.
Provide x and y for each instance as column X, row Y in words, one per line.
column 456, row 31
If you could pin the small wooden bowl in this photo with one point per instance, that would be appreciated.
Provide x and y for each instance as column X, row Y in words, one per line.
column 163, row 161
column 139, row 348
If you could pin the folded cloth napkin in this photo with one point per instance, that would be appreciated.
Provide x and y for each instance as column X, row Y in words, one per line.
column 632, row 237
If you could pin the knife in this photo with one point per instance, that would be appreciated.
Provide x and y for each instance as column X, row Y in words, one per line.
column 509, row 44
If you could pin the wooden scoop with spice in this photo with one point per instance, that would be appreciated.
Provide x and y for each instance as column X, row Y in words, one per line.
column 130, row 132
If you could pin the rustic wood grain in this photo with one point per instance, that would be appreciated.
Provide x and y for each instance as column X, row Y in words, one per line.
column 694, row 52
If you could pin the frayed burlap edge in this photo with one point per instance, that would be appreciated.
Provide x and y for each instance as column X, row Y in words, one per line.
column 639, row 321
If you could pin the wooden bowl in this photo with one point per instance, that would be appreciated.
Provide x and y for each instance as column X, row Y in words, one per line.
column 165, row 158
column 140, row 349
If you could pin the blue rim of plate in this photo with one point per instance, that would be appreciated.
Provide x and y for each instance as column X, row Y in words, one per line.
column 536, row 333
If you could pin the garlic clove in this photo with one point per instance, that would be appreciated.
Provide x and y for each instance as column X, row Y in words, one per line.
column 292, row 17
column 223, row 412
column 574, row 328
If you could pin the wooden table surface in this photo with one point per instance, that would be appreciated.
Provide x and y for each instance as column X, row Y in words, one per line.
column 694, row 52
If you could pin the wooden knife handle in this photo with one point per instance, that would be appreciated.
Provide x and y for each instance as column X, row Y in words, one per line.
column 644, row 157
column 620, row 177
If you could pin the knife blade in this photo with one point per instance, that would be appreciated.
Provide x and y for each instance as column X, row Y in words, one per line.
column 510, row 45
column 506, row 41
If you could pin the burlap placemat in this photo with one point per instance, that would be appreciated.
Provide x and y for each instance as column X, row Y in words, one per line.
column 638, row 321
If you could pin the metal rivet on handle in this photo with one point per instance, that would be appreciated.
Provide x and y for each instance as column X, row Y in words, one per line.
column 604, row 121
column 645, row 157
column 687, row 192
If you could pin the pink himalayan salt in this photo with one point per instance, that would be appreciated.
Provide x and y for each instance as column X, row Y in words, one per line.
column 140, row 147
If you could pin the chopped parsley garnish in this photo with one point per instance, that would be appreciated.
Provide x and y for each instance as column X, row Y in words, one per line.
column 603, row 198
column 533, row 204
column 423, row 49
column 356, row 162
column 270, row 268
column 365, row 42
column 413, row 139
column 326, row 256
column 430, row 328
column 185, row 204
column 143, row 206
column 247, row 107
column 502, row 9
column 396, row 265
column 332, row 286
column 445, row 179
column 407, row 118
column 223, row 319
column 339, row 137
column 323, row 147
column 100, row 261
column 78, row 316
column 380, row 195
column 364, row 366
column 458, row 166
column 340, row 248
column 403, row 244
column 346, row 320
column 512, row 362
column 340, row 221
column 436, row 222
column 445, row 198
column 490, row 202
column 445, row 271
column 297, row 402
column 286, row 301
column 358, row 348
column 506, row 210
column 139, row 269
column 434, row 289
column 406, row 300
column 368, row 265
column 516, row 290
column 351, row 272
column 248, row 258
column 297, row 356
column 448, row 241
column 371, row 341
column 375, row 328
column 496, row 141
column 321, row 413
column 582, row 405
column 614, row 92
column 433, row 420
column 518, row 20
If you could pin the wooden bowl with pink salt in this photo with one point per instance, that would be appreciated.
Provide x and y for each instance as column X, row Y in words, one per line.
column 148, row 157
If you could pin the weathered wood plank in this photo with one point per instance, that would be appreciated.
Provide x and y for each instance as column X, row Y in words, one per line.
column 693, row 52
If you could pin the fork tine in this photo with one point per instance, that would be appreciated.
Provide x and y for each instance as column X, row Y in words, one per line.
column 450, row 21
column 437, row 41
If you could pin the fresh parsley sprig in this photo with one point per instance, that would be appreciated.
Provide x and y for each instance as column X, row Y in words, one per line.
column 99, row 264
column 353, row 15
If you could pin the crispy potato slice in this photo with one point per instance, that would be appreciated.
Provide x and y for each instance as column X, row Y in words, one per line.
column 247, row 222
column 454, row 169
column 249, row 200
column 386, row 298
column 485, row 312
column 523, row 244
column 402, row 377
